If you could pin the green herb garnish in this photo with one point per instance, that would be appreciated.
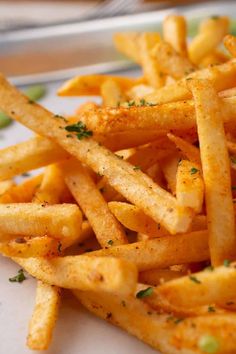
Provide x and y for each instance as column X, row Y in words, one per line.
column 4, row 120
column 209, row 344
column 226, row 263
column 110, row 242
column 80, row 129
column 35, row 93
column 211, row 309
column 144, row 293
column 19, row 278
column 194, row 279
column 193, row 171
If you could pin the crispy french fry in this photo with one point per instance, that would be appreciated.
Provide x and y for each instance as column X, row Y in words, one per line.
column 216, row 172
column 112, row 94
column 187, row 149
column 84, row 272
column 228, row 93
column 206, row 287
column 36, row 152
column 43, row 246
column 139, row 91
column 170, row 62
column 134, row 219
column 152, row 73
column 211, row 33
column 90, row 85
column 175, row 33
column 107, row 230
column 44, row 317
column 189, row 186
column 222, row 77
column 214, row 58
column 134, row 185
column 162, row 252
column 230, row 44
column 127, row 44
column 62, row 222
column 159, row 276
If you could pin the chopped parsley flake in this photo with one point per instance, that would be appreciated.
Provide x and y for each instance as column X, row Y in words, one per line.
column 58, row 116
column 144, row 293
column 211, row 309
column 209, row 344
column 19, row 278
column 110, row 242
column 80, row 129
column 193, row 171
column 194, row 279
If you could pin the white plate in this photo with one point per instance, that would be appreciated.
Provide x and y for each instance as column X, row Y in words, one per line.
column 77, row 331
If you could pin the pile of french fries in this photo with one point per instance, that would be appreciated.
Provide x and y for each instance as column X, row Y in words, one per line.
column 134, row 212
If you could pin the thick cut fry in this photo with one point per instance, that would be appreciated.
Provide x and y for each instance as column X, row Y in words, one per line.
column 134, row 185
column 230, row 44
column 170, row 62
column 127, row 44
column 30, row 155
column 189, row 186
column 84, row 273
column 188, row 150
column 106, row 228
column 43, row 246
column 211, row 33
column 152, row 73
column 134, row 219
column 216, row 172
column 159, row 276
column 175, row 33
column 44, row 317
column 207, row 287
column 90, row 85
column 220, row 330
column 222, row 77
column 62, row 222
column 112, row 94
column 162, row 252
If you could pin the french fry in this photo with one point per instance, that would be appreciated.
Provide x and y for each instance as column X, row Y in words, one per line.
column 134, row 185
column 228, row 93
column 222, row 77
column 126, row 43
column 169, row 166
column 158, row 276
column 5, row 186
column 230, row 44
column 139, row 91
column 206, row 287
column 62, row 222
column 90, row 85
column 83, row 272
column 36, row 152
column 44, row 316
column 112, row 94
column 152, row 73
column 170, row 62
column 215, row 58
column 211, row 33
column 107, row 230
column 187, row 149
column 134, row 219
column 189, row 186
column 43, row 246
column 175, row 33
column 216, row 172
column 162, row 252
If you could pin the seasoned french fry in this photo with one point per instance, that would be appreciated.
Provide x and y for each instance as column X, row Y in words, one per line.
column 127, row 44
column 139, row 91
column 159, row 276
column 44, row 317
column 187, row 149
column 43, row 246
column 26, row 156
column 162, row 252
column 158, row 204
column 206, row 287
column 84, row 273
column 222, row 77
column 211, row 33
column 189, row 186
column 62, row 222
column 214, row 58
column 228, row 93
column 175, row 33
column 134, row 219
column 169, row 167
column 90, row 85
column 108, row 231
column 230, row 44
column 112, row 94
column 216, row 172
column 152, row 73
column 170, row 62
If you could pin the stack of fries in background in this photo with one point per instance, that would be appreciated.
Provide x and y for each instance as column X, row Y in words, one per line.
column 146, row 180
